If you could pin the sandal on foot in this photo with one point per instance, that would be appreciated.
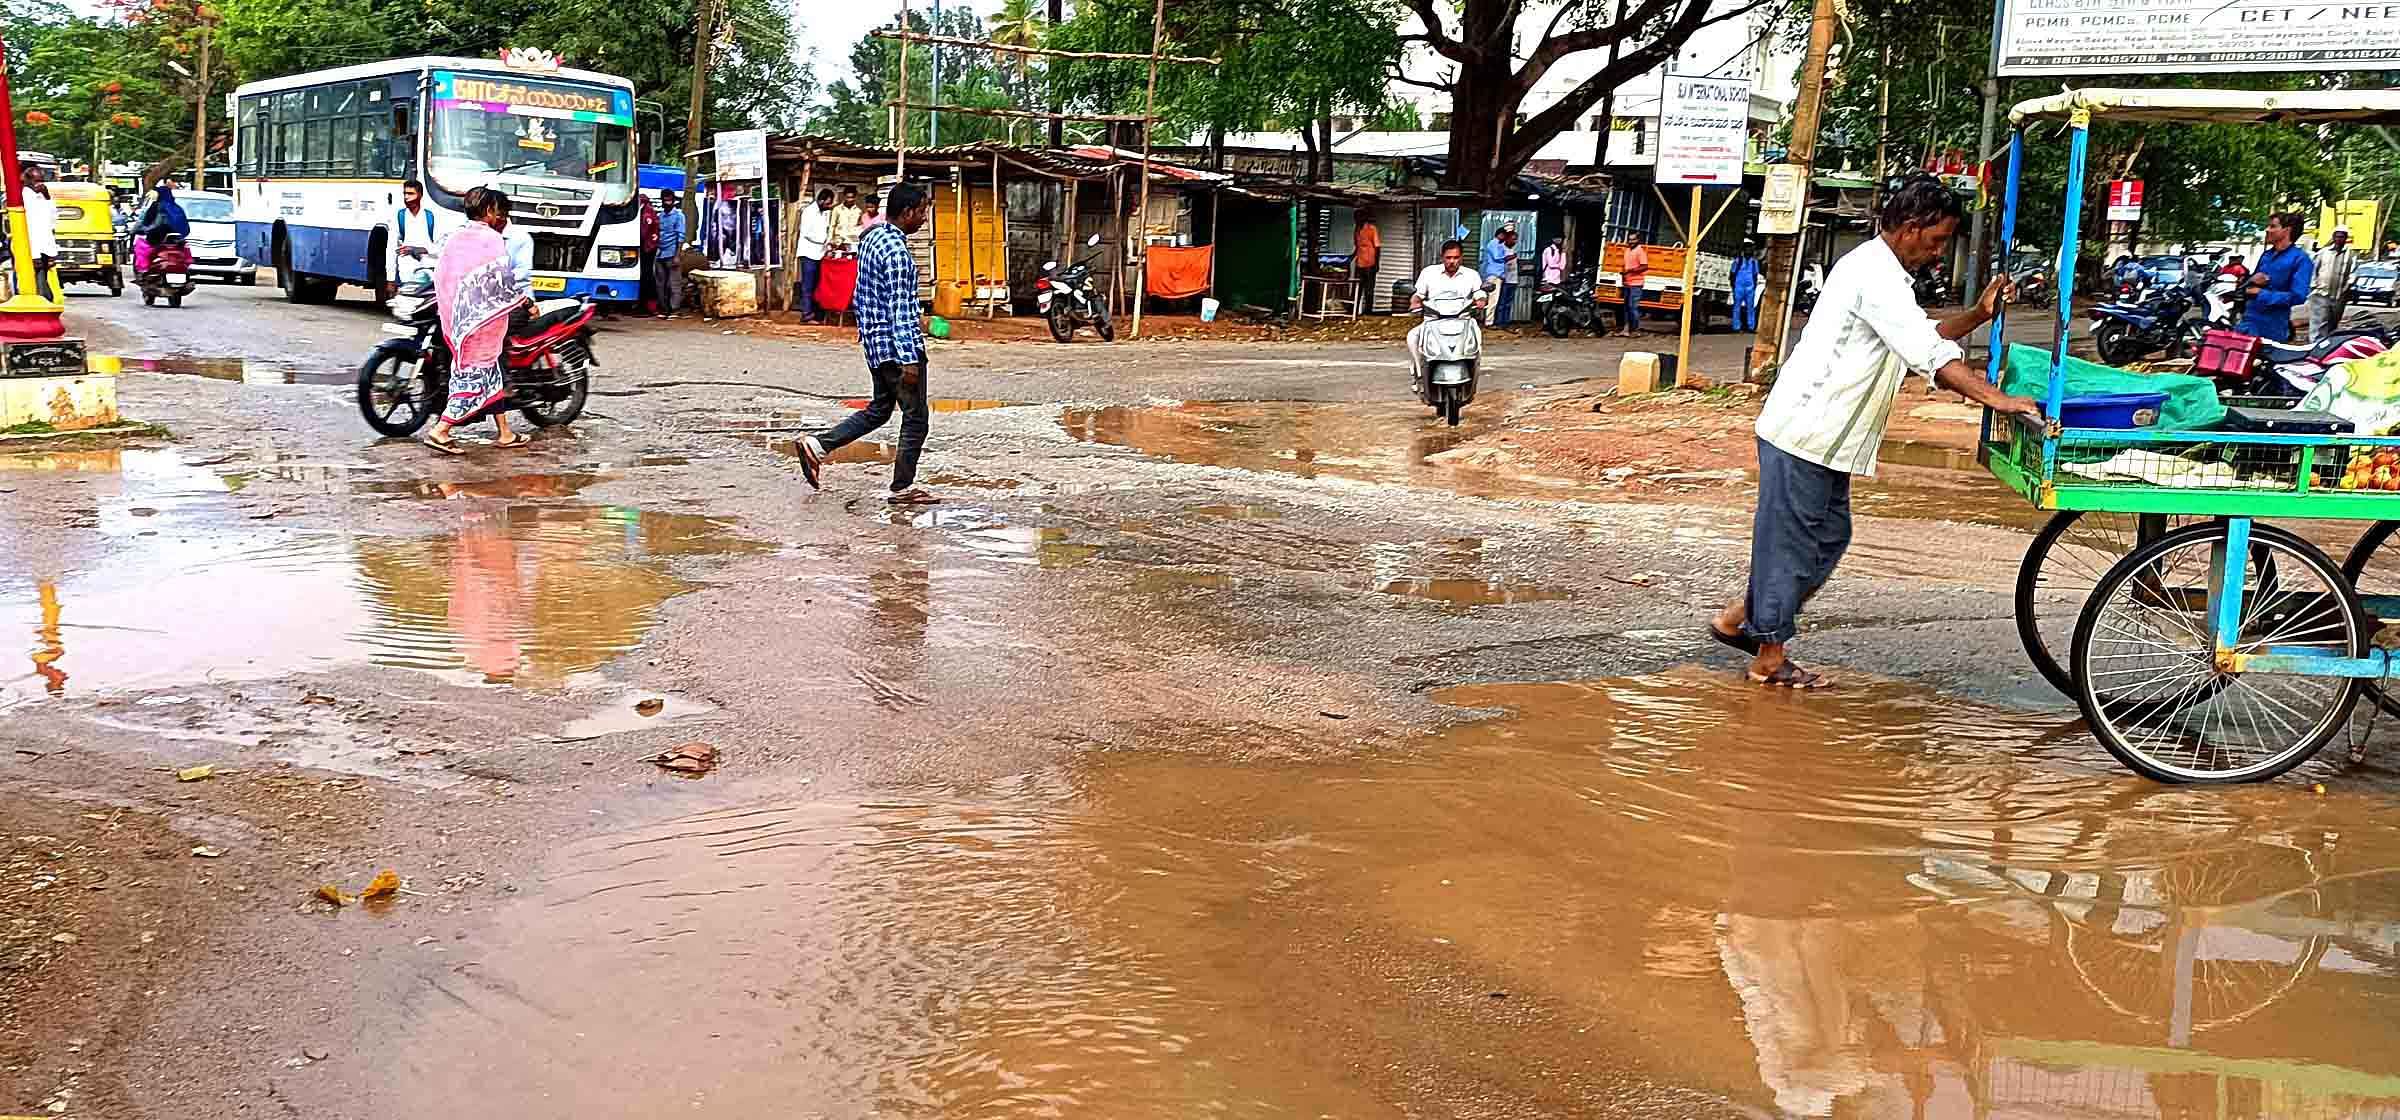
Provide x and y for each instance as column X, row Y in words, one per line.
column 913, row 496
column 812, row 463
column 445, row 446
column 1742, row 642
column 515, row 439
column 1791, row 676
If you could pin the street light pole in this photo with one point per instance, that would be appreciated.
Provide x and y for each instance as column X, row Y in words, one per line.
column 26, row 315
column 200, row 114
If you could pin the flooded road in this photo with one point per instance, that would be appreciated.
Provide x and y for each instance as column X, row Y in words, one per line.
column 1623, row 897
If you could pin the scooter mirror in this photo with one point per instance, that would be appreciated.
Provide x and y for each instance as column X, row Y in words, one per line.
column 1049, row 266
column 1092, row 240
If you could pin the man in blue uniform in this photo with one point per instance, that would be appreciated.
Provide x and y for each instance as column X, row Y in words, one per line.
column 1745, row 289
column 2280, row 283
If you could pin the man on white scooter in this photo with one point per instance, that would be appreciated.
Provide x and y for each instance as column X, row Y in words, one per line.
column 1449, row 280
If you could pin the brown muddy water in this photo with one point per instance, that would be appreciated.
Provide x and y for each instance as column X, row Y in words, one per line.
column 504, row 590
column 246, row 370
column 1398, row 444
column 1640, row 897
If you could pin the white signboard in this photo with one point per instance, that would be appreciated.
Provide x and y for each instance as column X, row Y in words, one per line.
column 742, row 155
column 1703, row 130
column 2195, row 36
column 1787, row 195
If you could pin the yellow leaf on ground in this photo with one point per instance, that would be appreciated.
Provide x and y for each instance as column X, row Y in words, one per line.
column 384, row 886
column 195, row 773
column 333, row 894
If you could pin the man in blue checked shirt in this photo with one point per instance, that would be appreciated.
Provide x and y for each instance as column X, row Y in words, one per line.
column 891, row 331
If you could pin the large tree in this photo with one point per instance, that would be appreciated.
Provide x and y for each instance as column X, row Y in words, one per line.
column 1491, row 72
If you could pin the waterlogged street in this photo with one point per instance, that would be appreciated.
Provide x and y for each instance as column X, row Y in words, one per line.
column 1233, row 741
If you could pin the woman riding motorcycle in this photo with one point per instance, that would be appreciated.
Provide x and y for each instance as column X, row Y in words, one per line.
column 164, row 216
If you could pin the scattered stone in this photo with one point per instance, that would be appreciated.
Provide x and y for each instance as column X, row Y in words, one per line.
column 206, row 852
column 692, row 759
column 65, row 938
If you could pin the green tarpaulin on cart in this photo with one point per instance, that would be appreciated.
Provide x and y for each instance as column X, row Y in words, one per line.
column 2192, row 404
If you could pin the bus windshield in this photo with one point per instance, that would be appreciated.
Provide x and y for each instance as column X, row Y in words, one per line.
column 562, row 133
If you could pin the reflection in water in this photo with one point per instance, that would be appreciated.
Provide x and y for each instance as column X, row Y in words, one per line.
column 515, row 593
column 1371, row 443
column 1887, row 907
column 246, row 370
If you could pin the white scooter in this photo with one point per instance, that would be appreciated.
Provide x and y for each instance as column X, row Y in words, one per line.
column 1445, row 353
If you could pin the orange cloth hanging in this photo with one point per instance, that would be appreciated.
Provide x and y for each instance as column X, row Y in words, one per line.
column 1178, row 271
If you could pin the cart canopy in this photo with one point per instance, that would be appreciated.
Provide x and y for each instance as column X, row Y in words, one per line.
column 2217, row 106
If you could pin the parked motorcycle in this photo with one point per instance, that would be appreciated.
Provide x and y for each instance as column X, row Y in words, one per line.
column 1933, row 289
column 547, row 365
column 2160, row 321
column 1445, row 354
column 2286, row 369
column 168, row 274
column 2035, row 288
column 1068, row 299
column 1570, row 305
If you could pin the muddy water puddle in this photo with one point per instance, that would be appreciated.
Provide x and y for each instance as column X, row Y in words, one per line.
column 525, row 594
column 249, row 371
column 1657, row 896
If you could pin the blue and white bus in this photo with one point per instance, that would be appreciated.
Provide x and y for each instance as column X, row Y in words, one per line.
column 319, row 159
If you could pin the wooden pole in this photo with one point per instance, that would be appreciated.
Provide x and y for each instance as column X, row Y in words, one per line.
column 1066, row 238
column 791, row 235
column 900, row 111
column 1000, row 210
column 1014, row 114
column 1783, row 255
column 1141, row 274
column 199, row 118
column 966, row 231
column 1116, row 205
column 1691, row 294
column 1216, row 235
column 698, row 118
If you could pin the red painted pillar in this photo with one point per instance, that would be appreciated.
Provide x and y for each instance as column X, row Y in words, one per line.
column 25, row 316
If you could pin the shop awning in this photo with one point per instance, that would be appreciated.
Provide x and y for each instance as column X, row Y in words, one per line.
column 2217, row 106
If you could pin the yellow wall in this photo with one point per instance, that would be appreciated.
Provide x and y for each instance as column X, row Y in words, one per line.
column 951, row 246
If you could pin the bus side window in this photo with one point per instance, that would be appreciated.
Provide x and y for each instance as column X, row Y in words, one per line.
column 400, row 145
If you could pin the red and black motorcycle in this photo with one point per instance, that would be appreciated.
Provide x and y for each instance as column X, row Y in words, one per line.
column 168, row 273
column 547, row 366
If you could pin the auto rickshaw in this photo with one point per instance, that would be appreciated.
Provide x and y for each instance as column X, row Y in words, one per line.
column 87, row 236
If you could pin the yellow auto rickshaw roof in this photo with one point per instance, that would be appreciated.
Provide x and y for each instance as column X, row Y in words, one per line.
column 79, row 192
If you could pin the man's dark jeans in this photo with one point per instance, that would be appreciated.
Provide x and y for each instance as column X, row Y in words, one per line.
column 808, row 288
column 895, row 384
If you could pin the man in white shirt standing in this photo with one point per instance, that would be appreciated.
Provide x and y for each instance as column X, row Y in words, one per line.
column 2329, row 289
column 417, row 232
column 1825, row 418
column 816, row 233
column 41, row 232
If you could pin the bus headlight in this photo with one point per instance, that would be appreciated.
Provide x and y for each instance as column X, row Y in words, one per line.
column 619, row 258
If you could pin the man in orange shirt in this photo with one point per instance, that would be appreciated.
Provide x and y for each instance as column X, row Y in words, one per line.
column 1635, row 274
column 1366, row 247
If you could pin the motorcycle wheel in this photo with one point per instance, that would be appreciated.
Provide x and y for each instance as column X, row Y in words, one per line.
column 1450, row 407
column 557, row 413
column 394, row 406
column 174, row 299
column 149, row 298
column 1062, row 329
column 1102, row 324
column 2115, row 343
column 1556, row 324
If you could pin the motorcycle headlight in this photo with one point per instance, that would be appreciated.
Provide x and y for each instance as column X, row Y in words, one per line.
column 618, row 258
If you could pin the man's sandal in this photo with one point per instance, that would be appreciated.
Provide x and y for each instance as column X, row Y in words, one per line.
column 1791, row 676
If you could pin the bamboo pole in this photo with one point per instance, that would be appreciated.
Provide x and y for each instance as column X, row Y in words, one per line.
column 1015, row 114
column 1040, row 52
column 901, row 107
column 1116, row 205
column 1141, row 271
column 966, row 228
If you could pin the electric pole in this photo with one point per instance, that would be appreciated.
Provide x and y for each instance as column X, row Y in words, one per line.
column 1784, row 252
column 703, row 48
column 200, row 109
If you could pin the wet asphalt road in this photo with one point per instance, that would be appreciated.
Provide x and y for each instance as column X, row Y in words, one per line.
column 1188, row 760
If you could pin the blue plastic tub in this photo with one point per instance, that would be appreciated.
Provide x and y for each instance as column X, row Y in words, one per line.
column 2111, row 410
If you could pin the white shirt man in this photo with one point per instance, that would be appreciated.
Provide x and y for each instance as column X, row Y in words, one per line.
column 2329, row 289
column 1448, row 281
column 417, row 233
column 1824, row 419
column 816, row 231
column 520, row 258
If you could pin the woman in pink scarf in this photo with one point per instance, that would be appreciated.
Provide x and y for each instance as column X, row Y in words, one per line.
column 476, row 290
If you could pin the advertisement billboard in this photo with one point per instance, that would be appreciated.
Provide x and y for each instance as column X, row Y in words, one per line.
column 1703, row 130
column 2065, row 37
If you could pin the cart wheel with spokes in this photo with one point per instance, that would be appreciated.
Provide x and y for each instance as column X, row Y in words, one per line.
column 2062, row 566
column 2374, row 573
column 2146, row 672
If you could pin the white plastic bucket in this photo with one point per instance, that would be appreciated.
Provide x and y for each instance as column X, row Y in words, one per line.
column 1208, row 310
